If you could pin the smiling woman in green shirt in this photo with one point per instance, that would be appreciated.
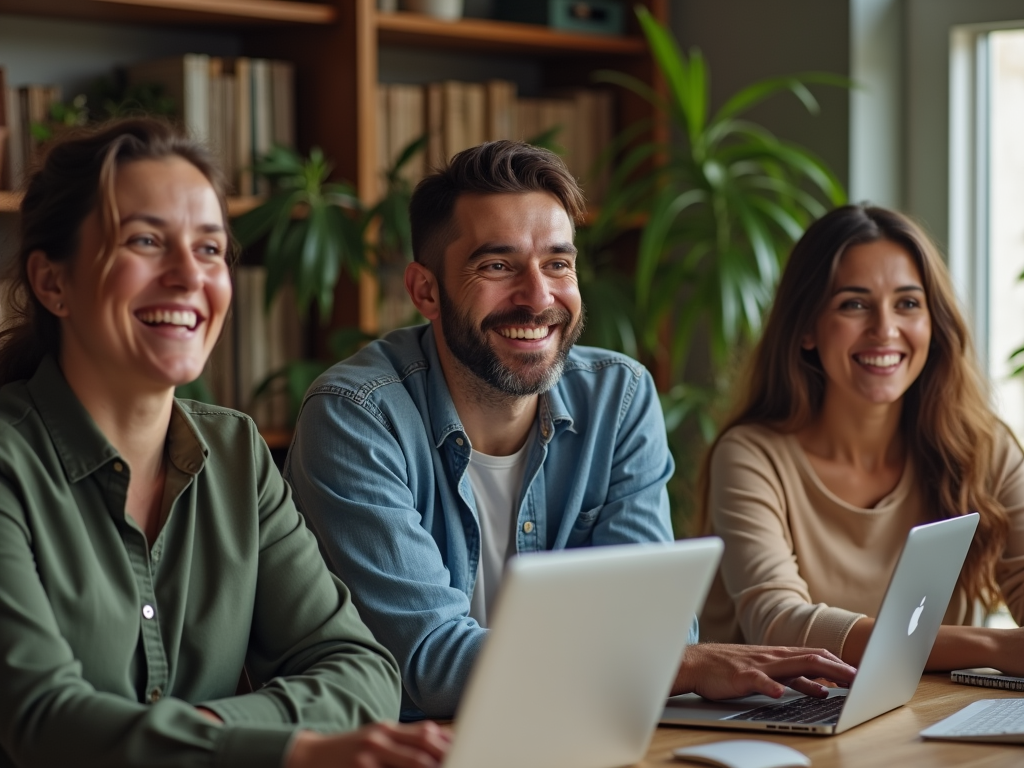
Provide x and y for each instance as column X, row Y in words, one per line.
column 148, row 546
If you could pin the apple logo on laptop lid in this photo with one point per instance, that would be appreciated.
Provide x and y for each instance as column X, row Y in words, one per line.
column 915, row 616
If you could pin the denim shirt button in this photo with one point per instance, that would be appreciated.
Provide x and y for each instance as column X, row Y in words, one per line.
column 527, row 527
column 459, row 441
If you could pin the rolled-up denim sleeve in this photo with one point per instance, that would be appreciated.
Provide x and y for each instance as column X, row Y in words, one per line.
column 353, row 481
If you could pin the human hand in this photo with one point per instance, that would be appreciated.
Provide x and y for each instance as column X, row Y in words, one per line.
column 719, row 671
column 381, row 745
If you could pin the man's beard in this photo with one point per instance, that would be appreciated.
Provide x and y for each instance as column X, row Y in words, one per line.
column 535, row 373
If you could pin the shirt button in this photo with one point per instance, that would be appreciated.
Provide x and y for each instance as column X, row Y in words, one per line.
column 148, row 612
column 154, row 695
column 527, row 526
column 459, row 441
column 118, row 466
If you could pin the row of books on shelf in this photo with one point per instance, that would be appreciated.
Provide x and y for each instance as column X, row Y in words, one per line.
column 20, row 108
column 238, row 106
column 456, row 115
column 254, row 344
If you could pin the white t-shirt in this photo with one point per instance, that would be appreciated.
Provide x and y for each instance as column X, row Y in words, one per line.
column 497, row 482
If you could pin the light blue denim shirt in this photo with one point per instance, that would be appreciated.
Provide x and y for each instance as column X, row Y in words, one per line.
column 378, row 466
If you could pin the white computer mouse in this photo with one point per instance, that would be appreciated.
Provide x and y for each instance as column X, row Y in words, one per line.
column 744, row 753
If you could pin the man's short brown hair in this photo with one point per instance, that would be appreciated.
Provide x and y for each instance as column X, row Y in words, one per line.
column 493, row 168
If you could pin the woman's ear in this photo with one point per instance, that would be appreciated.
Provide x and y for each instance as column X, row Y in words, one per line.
column 421, row 284
column 807, row 342
column 48, row 283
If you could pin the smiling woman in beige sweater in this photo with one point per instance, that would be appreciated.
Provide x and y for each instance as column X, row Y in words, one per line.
column 863, row 416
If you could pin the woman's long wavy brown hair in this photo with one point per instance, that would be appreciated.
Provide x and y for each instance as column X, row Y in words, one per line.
column 77, row 177
column 946, row 422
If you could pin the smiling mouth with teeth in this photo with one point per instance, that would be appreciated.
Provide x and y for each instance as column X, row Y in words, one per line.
column 525, row 333
column 181, row 318
column 879, row 361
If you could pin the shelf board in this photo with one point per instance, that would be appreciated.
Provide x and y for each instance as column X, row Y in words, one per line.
column 10, row 202
column 236, row 12
column 414, row 29
column 239, row 205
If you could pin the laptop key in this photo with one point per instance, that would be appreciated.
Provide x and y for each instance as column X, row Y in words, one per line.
column 805, row 711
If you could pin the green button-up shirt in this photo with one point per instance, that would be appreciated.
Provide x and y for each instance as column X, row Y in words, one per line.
column 108, row 644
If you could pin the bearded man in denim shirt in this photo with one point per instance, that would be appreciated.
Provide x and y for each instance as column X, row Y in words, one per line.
column 433, row 455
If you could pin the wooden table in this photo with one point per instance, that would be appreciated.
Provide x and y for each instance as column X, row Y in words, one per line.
column 889, row 740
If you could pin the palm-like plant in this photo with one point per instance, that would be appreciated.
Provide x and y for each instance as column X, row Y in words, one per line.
column 723, row 203
column 315, row 228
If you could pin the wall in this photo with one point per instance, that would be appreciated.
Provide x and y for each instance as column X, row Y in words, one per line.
column 877, row 148
column 748, row 40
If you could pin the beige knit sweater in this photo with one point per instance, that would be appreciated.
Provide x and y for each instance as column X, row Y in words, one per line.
column 801, row 566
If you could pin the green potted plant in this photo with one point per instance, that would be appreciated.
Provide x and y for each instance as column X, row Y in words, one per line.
column 314, row 231
column 720, row 205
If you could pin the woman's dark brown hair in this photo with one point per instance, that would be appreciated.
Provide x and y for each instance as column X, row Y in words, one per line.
column 77, row 177
column 948, row 427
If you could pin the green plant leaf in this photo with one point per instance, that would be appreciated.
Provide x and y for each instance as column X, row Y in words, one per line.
column 673, row 65
column 197, row 390
column 345, row 342
column 764, row 89
column 630, row 83
column 666, row 209
column 252, row 225
column 408, row 152
column 546, row 140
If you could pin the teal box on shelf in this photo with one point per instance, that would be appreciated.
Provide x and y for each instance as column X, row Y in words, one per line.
column 599, row 17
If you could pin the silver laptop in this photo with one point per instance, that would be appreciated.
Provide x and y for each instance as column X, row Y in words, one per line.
column 893, row 661
column 582, row 651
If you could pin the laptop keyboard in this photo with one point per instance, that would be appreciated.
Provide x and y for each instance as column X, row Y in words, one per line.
column 805, row 711
column 1002, row 716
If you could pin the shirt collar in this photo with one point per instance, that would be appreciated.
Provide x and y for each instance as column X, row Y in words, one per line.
column 79, row 443
column 82, row 446
column 553, row 412
column 445, row 419
column 185, row 446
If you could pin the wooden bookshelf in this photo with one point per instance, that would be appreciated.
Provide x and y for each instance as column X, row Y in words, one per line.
column 335, row 45
column 483, row 35
column 231, row 12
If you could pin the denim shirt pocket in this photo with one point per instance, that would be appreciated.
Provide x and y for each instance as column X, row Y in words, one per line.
column 583, row 528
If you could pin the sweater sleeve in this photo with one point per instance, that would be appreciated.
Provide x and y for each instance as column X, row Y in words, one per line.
column 749, row 509
column 1008, row 487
